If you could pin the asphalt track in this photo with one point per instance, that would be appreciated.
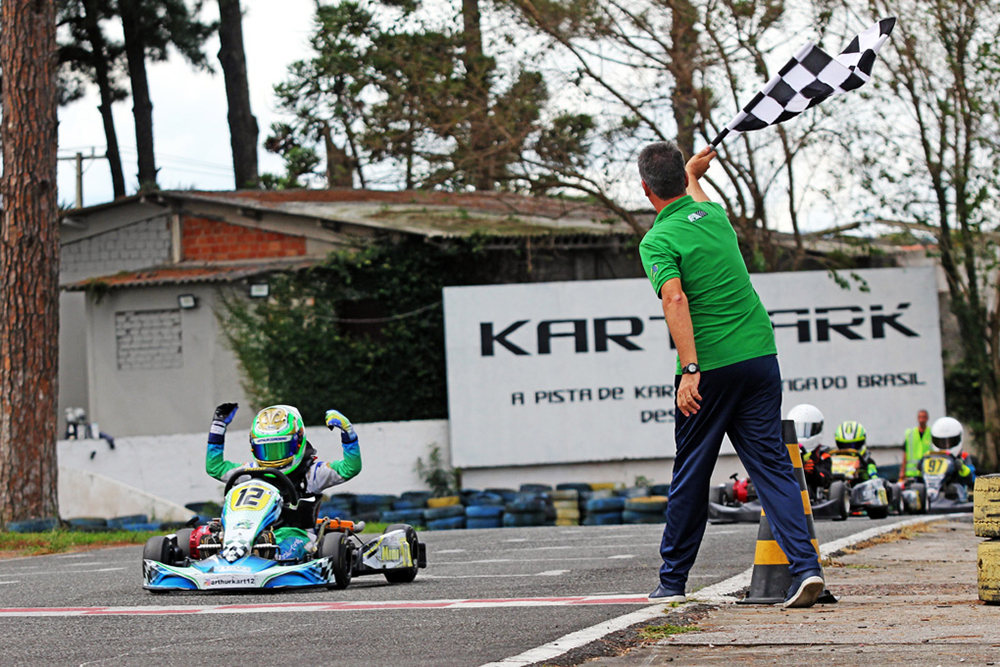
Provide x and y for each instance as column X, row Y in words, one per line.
column 485, row 596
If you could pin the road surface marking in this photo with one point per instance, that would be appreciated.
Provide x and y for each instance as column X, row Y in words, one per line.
column 166, row 610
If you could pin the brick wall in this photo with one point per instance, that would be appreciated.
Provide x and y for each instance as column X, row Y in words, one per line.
column 209, row 240
column 137, row 246
column 148, row 340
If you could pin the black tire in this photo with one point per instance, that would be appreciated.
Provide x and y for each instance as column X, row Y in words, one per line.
column 878, row 512
column 184, row 541
column 337, row 547
column 407, row 574
column 716, row 495
column 158, row 548
column 840, row 492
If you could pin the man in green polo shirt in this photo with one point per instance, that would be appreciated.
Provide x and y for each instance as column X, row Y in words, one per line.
column 727, row 378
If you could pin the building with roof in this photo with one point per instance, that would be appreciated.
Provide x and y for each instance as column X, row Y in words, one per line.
column 141, row 349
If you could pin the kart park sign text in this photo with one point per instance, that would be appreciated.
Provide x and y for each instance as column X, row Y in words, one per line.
column 548, row 373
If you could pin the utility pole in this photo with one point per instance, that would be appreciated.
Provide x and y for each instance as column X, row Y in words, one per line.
column 78, row 158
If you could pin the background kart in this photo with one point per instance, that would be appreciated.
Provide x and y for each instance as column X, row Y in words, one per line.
column 734, row 502
column 238, row 551
column 938, row 490
column 849, row 494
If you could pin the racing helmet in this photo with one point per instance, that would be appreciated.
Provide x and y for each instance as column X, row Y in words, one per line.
column 946, row 435
column 851, row 435
column 278, row 438
column 808, row 424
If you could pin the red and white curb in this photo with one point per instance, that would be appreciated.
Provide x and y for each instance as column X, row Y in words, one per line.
column 175, row 610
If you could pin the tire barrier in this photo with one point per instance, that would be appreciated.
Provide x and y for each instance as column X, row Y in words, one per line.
column 573, row 486
column 986, row 506
column 33, row 525
column 447, row 512
column 86, row 522
column 986, row 523
column 444, row 501
column 522, row 519
column 484, row 511
column 507, row 494
column 634, row 492
column 534, row 488
column 483, row 498
column 565, row 495
column 122, row 522
column 416, row 496
column 647, row 504
column 403, row 504
column 659, row 490
column 527, row 506
column 605, row 505
column 366, row 503
column 495, row 522
column 410, row 516
column 451, row 523
column 607, row 486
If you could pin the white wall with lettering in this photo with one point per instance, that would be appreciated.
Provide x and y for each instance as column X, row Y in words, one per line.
column 549, row 373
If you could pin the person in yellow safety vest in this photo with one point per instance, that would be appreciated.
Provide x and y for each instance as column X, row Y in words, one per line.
column 916, row 444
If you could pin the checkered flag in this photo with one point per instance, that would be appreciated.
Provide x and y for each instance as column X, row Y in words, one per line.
column 810, row 77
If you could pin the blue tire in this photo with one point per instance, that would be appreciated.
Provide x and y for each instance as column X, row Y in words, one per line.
column 495, row 522
column 404, row 504
column 574, row 486
column 642, row 517
column 603, row 519
column 600, row 505
column 482, row 499
column 33, row 525
column 402, row 516
column 484, row 511
column 446, row 512
column 519, row 519
column 533, row 488
column 122, row 521
column 532, row 506
column 451, row 523
column 508, row 495
column 659, row 490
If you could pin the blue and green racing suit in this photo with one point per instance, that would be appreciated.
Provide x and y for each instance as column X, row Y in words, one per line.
column 310, row 477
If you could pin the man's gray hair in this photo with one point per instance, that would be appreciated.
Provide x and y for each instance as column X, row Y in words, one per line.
column 661, row 167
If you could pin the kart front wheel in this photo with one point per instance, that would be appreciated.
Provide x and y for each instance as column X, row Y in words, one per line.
column 878, row 512
column 337, row 547
column 407, row 574
column 842, row 494
column 160, row 549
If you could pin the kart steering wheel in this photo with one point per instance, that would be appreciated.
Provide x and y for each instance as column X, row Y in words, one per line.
column 289, row 493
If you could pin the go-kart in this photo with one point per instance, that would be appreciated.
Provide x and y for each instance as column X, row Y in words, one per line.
column 849, row 494
column 239, row 550
column 938, row 489
column 734, row 502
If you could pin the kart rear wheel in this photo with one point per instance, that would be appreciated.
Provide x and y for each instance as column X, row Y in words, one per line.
column 337, row 547
column 407, row 574
column 184, row 541
column 842, row 494
column 158, row 548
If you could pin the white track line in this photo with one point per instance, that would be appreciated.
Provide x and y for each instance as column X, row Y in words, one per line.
column 721, row 592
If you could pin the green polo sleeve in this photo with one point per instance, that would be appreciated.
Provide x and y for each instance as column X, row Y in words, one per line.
column 659, row 261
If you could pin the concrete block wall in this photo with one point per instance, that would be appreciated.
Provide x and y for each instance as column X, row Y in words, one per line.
column 211, row 240
column 137, row 246
column 149, row 339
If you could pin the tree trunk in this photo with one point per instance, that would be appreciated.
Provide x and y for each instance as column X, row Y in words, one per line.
column 683, row 63
column 142, row 105
column 242, row 124
column 96, row 38
column 479, row 164
column 29, row 260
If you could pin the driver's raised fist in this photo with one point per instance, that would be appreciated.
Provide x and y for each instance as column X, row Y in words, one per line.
column 225, row 412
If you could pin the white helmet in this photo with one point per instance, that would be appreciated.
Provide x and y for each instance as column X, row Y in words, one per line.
column 946, row 435
column 808, row 424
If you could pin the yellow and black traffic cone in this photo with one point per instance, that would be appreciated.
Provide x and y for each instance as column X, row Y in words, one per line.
column 771, row 578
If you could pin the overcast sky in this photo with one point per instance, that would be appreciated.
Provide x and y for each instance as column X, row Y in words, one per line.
column 189, row 110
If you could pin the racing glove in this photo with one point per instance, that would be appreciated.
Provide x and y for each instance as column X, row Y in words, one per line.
column 809, row 466
column 335, row 419
column 223, row 416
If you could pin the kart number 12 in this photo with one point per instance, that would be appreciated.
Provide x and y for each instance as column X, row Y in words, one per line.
column 249, row 498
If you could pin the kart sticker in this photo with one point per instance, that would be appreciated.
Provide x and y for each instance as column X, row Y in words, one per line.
column 935, row 465
column 229, row 581
column 844, row 465
column 251, row 498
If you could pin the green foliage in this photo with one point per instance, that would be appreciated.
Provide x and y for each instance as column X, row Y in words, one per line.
column 362, row 333
column 442, row 480
column 654, row 632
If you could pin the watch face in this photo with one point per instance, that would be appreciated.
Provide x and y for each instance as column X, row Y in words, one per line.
column 691, row 368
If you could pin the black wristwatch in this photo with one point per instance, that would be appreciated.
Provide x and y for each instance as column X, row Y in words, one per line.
column 690, row 369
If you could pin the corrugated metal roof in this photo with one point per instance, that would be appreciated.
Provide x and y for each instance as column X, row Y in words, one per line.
column 181, row 274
